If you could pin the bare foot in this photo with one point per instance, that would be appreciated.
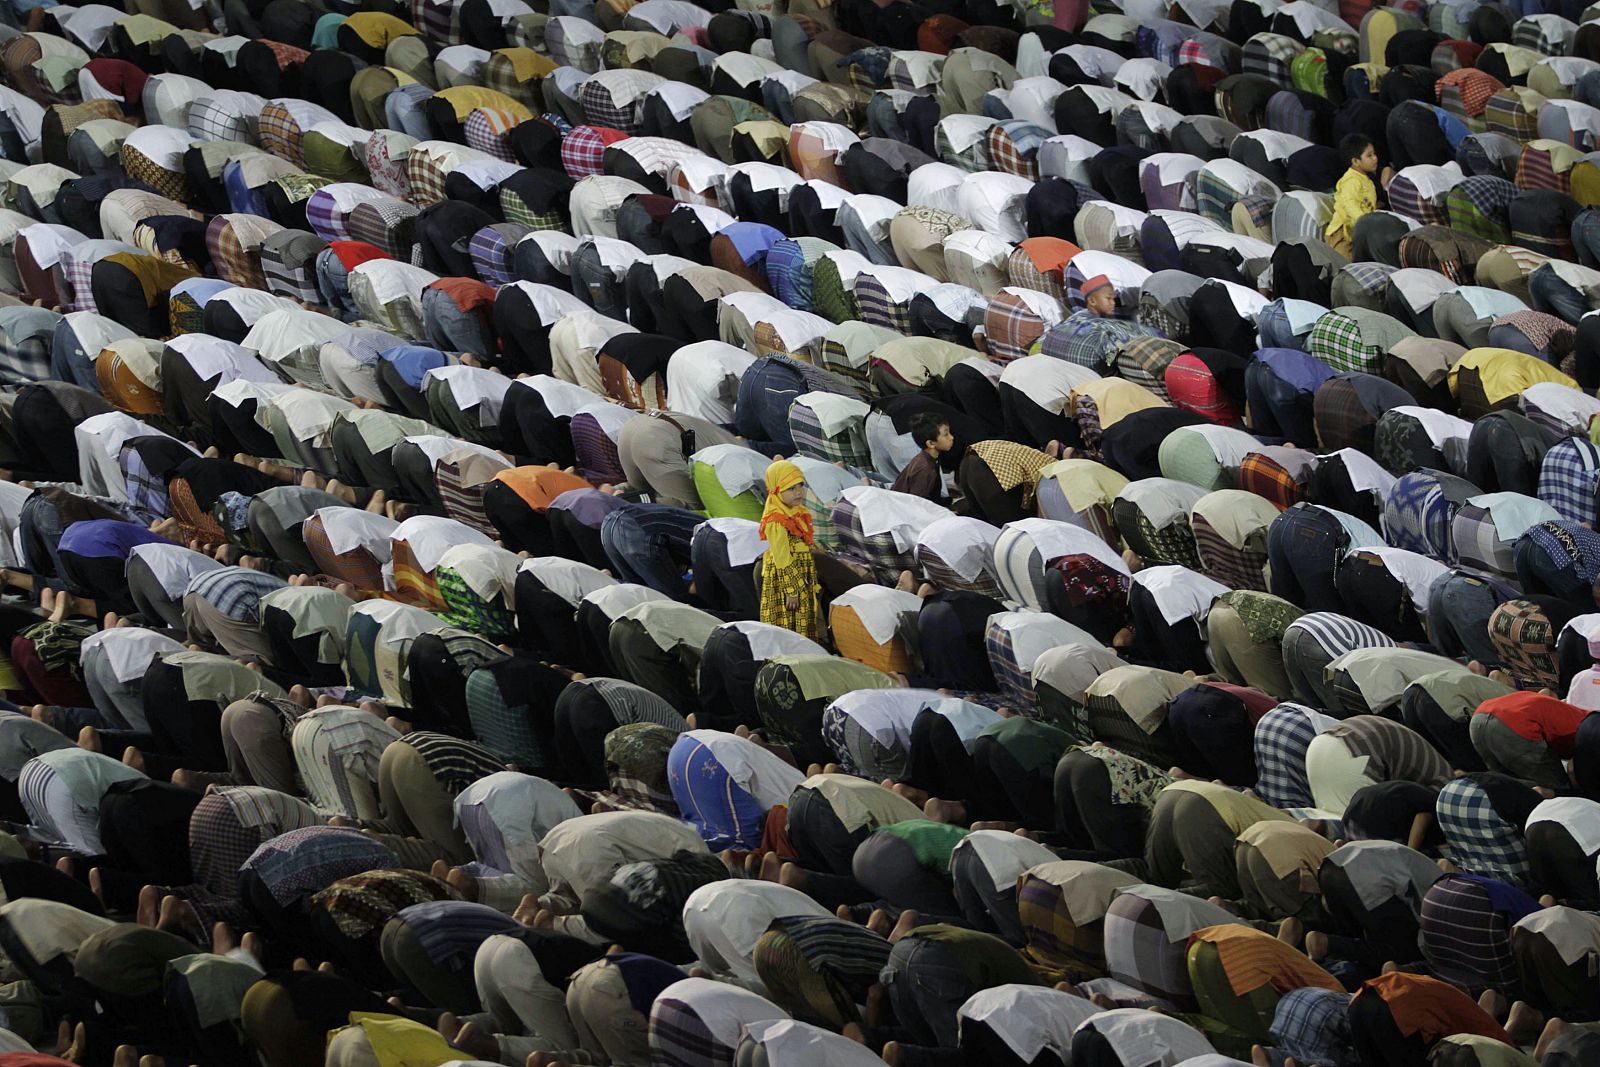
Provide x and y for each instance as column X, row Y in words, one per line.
column 149, row 910
column 907, row 922
column 891, row 1054
column 945, row 811
column 1317, row 945
column 771, row 865
column 878, row 922
column 125, row 1056
column 1552, row 1030
column 1292, row 931
column 907, row 582
column 1523, row 1022
column 133, row 758
column 89, row 739
column 97, row 885
column 526, row 909
column 919, row 797
column 463, row 883
column 794, row 876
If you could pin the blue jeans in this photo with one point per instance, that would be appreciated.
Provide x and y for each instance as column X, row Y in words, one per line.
column 1555, row 297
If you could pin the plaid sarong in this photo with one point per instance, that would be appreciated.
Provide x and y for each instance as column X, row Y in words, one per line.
column 1336, row 340
column 279, row 132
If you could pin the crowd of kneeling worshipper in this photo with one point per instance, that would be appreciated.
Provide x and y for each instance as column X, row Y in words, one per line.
column 927, row 533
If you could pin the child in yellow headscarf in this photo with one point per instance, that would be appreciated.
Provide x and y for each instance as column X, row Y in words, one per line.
column 788, row 573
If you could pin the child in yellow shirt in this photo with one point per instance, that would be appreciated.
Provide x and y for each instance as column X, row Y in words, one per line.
column 1355, row 194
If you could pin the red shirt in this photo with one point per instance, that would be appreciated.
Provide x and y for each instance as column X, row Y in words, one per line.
column 1538, row 718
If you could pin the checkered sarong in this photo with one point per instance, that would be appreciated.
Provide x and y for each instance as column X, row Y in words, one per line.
column 879, row 308
column 1173, row 543
column 1536, row 169
column 1144, row 361
column 1480, row 840
column 1506, row 114
column 583, row 151
column 1263, row 476
column 1010, row 326
column 1015, row 682
column 848, row 446
column 426, row 176
column 1014, row 148
column 388, row 222
column 1477, row 544
column 486, row 129
column 279, row 132
column 1569, row 477
column 1237, row 568
column 1466, row 92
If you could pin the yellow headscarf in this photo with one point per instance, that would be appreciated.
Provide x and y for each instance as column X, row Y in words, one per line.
column 783, row 475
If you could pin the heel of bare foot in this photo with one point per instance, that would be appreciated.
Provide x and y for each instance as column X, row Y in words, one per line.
column 149, row 910
column 1552, row 1030
column 89, row 739
column 907, row 582
column 794, row 876
column 945, row 811
column 1523, row 1021
column 133, row 758
column 125, row 1056
column 1317, row 945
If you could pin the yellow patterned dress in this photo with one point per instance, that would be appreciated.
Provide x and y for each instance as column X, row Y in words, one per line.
column 788, row 570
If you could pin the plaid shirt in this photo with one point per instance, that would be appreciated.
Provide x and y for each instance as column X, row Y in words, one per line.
column 1336, row 340
column 426, row 175
column 1569, row 477
column 220, row 117
column 1281, row 738
column 1313, row 1026
column 1480, row 840
column 1479, row 205
column 1271, row 55
column 284, row 279
column 1015, row 680
column 234, row 242
column 1144, row 361
column 27, row 360
column 612, row 100
column 146, row 492
column 597, row 453
column 301, row 862
column 235, row 591
column 1537, row 169
column 491, row 249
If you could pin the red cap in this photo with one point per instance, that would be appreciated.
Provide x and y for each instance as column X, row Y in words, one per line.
column 1099, row 281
